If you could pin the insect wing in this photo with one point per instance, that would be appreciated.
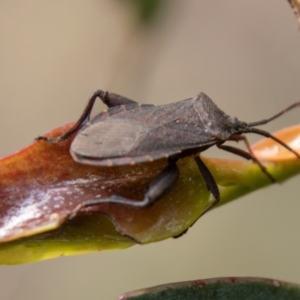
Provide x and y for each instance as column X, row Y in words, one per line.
column 106, row 140
column 128, row 143
column 171, row 139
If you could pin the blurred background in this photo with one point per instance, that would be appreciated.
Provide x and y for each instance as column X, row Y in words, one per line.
column 243, row 54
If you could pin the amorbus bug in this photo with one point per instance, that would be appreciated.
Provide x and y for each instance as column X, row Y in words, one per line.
column 128, row 133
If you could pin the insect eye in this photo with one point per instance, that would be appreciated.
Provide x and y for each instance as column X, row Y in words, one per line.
column 236, row 125
column 233, row 120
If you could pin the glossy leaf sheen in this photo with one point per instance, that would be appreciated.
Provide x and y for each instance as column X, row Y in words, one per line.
column 41, row 186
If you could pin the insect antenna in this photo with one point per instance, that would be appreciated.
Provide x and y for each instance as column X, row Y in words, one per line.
column 269, row 135
column 265, row 121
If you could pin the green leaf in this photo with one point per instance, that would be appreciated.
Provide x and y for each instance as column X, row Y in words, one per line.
column 219, row 289
column 147, row 10
column 42, row 186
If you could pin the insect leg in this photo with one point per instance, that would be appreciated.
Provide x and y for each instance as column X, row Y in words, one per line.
column 210, row 183
column 109, row 99
column 159, row 186
column 247, row 155
column 81, row 121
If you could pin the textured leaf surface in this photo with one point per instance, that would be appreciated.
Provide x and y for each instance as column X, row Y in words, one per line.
column 219, row 289
column 41, row 186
